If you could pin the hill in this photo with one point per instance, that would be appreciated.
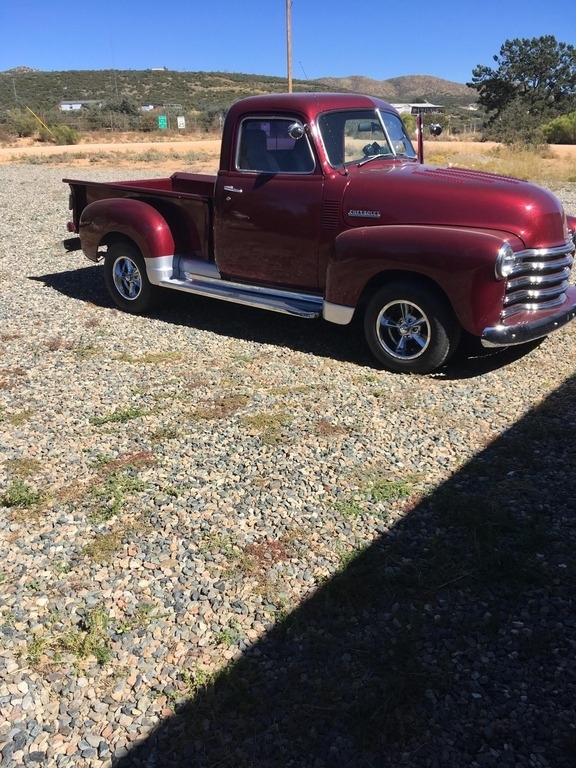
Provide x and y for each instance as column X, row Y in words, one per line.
column 408, row 88
column 202, row 91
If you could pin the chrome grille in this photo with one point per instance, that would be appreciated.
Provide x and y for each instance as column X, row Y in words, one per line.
column 539, row 280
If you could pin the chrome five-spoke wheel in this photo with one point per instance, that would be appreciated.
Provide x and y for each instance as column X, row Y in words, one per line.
column 403, row 330
column 410, row 327
column 126, row 278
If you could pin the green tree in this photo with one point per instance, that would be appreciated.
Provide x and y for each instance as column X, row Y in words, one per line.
column 22, row 123
column 123, row 106
column 535, row 81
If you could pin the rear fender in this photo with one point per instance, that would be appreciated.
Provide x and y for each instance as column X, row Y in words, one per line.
column 459, row 261
column 133, row 219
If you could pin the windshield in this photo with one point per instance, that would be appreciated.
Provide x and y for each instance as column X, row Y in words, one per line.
column 355, row 136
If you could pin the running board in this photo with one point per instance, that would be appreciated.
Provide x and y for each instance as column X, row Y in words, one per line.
column 286, row 302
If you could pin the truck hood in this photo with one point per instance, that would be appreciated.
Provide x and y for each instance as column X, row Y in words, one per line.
column 410, row 193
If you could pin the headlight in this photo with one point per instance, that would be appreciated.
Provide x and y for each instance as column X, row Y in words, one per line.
column 505, row 261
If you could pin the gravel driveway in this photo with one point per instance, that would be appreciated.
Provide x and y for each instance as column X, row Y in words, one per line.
column 228, row 539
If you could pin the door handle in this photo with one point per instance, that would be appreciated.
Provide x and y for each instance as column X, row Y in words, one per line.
column 233, row 189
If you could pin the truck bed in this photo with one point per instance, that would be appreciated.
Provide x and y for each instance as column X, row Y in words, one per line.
column 178, row 183
column 185, row 200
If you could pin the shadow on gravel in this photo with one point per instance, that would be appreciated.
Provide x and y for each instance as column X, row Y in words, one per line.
column 344, row 343
column 451, row 641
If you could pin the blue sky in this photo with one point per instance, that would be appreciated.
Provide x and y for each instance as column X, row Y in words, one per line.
column 330, row 38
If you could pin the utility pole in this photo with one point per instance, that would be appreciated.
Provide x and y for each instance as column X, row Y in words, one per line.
column 289, row 42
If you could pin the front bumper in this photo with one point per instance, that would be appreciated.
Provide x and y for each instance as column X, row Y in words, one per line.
column 530, row 330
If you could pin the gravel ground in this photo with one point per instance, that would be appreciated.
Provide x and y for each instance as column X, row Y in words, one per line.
column 228, row 539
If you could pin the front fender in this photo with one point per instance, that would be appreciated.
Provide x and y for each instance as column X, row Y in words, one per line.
column 459, row 261
column 132, row 218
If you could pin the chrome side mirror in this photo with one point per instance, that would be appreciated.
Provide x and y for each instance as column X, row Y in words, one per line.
column 296, row 131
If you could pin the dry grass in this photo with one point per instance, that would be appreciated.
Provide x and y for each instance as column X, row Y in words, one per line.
column 551, row 164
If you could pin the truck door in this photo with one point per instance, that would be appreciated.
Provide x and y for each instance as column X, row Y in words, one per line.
column 268, row 206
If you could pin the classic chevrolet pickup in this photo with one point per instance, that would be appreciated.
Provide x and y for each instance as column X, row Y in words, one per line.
column 323, row 208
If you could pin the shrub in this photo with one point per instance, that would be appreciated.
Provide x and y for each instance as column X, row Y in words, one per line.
column 21, row 123
column 562, row 130
column 60, row 134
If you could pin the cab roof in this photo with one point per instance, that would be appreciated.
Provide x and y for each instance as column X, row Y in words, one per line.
column 308, row 104
column 305, row 106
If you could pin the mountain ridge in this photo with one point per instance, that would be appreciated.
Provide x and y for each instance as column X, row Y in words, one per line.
column 206, row 90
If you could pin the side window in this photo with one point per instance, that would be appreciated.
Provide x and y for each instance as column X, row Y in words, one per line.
column 266, row 147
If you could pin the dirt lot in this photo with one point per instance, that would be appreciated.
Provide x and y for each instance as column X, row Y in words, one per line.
column 118, row 153
column 202, row 154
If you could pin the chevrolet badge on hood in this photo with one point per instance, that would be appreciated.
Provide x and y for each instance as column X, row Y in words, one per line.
column 365, row 214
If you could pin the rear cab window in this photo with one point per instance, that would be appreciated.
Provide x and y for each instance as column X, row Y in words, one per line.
column 265, row 146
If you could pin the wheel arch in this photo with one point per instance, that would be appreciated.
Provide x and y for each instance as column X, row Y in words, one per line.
column 386, row 277
column 121, row 219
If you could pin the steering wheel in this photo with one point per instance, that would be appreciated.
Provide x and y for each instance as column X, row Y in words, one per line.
column 372, row 149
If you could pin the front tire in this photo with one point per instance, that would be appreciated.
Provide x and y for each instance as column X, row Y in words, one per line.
column 410, row 328
column 126, row 279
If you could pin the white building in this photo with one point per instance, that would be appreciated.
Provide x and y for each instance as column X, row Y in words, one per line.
column 413, row 109
column 70, row 106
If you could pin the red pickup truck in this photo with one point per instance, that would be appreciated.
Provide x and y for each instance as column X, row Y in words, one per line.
column 323, row 208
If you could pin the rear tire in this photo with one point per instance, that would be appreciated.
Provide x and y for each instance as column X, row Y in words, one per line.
column 126, row 279
column 410, row 327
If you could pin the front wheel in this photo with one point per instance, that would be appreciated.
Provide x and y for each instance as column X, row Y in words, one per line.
column 410, row 328
column 126, row 279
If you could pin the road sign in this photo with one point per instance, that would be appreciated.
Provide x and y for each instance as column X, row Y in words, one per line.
column 162, row 121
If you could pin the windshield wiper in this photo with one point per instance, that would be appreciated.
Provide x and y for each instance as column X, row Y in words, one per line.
column 387, row 156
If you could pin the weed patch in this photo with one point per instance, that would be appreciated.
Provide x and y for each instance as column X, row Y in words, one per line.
column 119, row 416
column 140, row 618
column 88, row 638
column 268, row 426
column 8, row 376
column 220, row 408
column 151, row 358
column 20, row 495
column 111, row 495
column 119, row 479
column 325, row 428
column 103, row 547
column 15, row 419
column 57, row 343
column 162, row 434
column 373, row 490
column 23, row 466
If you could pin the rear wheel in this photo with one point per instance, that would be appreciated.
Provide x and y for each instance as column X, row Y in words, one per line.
column 126, row 279
column 410, row 328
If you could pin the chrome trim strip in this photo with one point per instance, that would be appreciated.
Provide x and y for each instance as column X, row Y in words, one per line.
column 159, row 268
column 337, row 313
column 275, row 300
column 557, row 250
column 533, row 306
column 188, row 267
column 537, row 294
column 533, row 282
